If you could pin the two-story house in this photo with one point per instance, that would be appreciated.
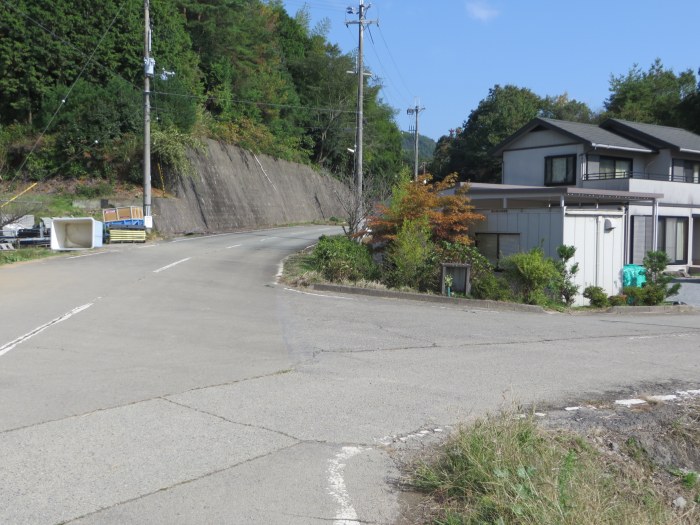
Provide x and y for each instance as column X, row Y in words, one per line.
column 615, row 191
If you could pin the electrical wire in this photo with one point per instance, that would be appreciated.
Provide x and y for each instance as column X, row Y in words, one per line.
column 65, row 97
column 68, row 43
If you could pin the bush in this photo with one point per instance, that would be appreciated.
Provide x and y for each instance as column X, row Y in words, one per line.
column 489, row 286
column 597, row 296
column 565, row 284
column 647, row 295
column 617, row 300
column 532, row 274
column 658, row 286
column 339, row 258
column 411, row 259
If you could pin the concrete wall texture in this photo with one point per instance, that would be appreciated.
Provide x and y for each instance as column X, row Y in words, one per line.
column 234, row 189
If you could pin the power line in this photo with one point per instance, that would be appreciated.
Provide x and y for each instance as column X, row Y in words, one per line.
column 69, row 43
column 63, row 100
column 391, row 56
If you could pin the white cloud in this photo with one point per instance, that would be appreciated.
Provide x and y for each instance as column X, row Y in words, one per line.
column 481, row 11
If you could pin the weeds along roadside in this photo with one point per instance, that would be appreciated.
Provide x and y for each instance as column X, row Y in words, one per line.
column 507, row 468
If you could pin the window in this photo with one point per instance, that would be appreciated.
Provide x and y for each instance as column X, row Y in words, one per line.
column 691, row 170
column 614, row 168
column 560, row 171
column 672, row 238
column 493, row 246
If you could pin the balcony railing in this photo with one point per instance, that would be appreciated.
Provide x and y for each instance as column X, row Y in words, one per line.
column 689, row 179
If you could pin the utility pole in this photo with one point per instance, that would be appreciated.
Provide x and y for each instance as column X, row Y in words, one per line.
column 148, row 70
column 361, row 22
column 415, row 111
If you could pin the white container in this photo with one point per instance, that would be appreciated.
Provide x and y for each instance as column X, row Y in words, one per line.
column 76, row 233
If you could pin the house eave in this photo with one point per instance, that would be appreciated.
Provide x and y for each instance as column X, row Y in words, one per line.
column 621, row 148
column 546, row 194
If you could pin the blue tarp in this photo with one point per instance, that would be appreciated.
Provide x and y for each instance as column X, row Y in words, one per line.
column 633, row 275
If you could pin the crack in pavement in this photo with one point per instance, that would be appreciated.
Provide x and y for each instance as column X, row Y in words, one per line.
column 249, row 425
column 511, row 343
column 180, row 483
column 146, row 400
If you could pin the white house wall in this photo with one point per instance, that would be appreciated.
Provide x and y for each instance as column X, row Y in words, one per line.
column 599, row 252
column 526, row 166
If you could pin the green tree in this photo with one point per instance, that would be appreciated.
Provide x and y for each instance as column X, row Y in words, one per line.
column 652, row 96
column 499, row 115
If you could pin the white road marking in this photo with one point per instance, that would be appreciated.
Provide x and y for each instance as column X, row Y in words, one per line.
column 630, row 402
column 319, row 295
column 234, row 246
column 263, row 239
column 21, row 339
column 87, row 255
column 346, row 514
column 171, row 265
column 187, row 239
column 668, row 397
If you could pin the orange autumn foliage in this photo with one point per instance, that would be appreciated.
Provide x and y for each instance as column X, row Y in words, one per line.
column 450, row 215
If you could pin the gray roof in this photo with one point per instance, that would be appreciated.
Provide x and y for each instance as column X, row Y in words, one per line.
column 657, row 136
column 594, row 136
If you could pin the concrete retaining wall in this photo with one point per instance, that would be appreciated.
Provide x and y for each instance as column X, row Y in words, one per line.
column 234, row 189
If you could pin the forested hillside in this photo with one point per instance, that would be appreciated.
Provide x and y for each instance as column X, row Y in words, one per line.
column 242, row 71
column 426, row 148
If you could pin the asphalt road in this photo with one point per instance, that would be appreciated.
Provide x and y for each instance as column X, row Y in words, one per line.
column 177, row 383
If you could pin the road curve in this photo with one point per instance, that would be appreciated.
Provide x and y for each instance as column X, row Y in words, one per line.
column 176, row 383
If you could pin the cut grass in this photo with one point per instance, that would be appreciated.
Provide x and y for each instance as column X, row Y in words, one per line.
column 506, row 470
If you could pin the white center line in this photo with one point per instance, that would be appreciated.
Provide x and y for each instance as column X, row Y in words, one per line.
column 171, row 265
column 234, row 246
column 21, row 339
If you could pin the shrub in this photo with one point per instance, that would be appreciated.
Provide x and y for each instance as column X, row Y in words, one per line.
column 565, row 286
column 532, row 274
column 597, row 296
column 489, row 286
column 411, row 259
column 339, row 258
column 658, row 286
column 617, row 300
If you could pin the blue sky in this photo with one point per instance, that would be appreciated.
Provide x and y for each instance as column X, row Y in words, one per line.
column 448, row 53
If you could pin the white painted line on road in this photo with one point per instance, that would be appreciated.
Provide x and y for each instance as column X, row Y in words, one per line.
column 171, row 265
column 263, row 239
column 668, row 397
column 630, row 402
column 148, row 246
column 87, row 255
column 234, row 246
column 346, row 515
column 187, row 239
column 319, row 295
column 21, row 339
column 280, row 270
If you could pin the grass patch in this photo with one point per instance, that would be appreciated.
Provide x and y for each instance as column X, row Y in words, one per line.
column 299, row 269
column 506, row 470
column 24, row 254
